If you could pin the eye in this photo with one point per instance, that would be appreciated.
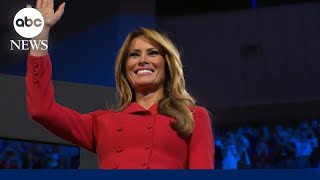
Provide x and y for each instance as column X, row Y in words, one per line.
column 134, row 54
column 153, row 53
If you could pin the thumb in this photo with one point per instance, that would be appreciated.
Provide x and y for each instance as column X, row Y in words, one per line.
column 60, row 10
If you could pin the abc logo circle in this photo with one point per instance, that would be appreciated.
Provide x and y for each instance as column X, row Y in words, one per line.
column 28, row 22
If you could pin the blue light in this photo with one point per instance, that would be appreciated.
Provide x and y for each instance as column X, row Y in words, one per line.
column 253, row 3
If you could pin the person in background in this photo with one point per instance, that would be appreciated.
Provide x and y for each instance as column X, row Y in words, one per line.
column 232, row 153
column 304, row 141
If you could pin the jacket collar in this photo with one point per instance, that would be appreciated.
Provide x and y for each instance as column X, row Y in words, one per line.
column 136, row 108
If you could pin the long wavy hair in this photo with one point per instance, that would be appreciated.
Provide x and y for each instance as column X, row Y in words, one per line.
column 176, row 101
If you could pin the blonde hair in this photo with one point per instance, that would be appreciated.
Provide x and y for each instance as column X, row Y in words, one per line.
column 176, row 101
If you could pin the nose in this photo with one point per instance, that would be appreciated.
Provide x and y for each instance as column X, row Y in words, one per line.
column 143, row 59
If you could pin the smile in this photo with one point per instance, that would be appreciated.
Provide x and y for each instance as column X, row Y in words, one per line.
column 144, row 71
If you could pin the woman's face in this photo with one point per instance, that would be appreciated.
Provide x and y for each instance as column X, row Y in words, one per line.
column 145, row 66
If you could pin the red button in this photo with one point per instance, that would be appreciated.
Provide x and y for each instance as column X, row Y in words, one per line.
column 149, row 125
column 119, row 127
column 35, row 80
column 35, row 71
column 144, row 163
column 115, row 165
column 147, row 145
column 119, row 148
column 35, row 63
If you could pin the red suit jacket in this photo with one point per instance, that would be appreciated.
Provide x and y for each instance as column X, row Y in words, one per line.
column 135, row 138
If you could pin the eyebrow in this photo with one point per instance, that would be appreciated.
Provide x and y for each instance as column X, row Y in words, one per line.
column 138, row 50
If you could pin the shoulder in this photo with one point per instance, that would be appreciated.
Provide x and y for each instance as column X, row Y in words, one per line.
column 199, row 111
column 201, row 115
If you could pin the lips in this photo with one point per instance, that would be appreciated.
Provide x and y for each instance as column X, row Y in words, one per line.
column 144, row 71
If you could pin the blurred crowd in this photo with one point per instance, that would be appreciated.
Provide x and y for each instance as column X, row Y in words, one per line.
column 31, row 155
column 278, row 146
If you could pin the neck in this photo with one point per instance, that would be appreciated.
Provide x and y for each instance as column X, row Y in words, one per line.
column 147, row 98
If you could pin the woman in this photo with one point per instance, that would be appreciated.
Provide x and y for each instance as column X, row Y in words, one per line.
column 157, row 125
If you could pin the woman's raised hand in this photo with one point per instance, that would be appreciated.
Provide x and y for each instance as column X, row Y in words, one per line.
column 46, row 9
column 50, row 19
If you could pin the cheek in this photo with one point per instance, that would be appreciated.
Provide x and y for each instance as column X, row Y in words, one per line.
column 129, row 67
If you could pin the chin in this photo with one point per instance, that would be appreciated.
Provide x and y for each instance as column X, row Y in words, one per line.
column 145, row 85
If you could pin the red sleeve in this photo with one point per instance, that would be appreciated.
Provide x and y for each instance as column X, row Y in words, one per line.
column 64, row 122
column 201, row 145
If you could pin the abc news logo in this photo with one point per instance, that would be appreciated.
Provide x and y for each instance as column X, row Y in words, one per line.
column 28, row 23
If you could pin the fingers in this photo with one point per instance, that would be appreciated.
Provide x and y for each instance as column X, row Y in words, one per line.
column 38, row 4
column 60, row 10
column 50, row 3
column 44, row 3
